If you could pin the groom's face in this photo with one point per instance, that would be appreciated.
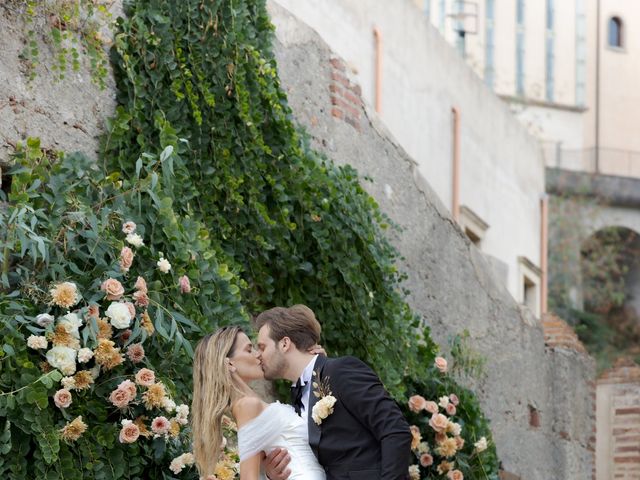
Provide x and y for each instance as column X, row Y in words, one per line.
column 274, row 362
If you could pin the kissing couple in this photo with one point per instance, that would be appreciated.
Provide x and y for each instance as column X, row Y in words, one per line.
column 342, row 423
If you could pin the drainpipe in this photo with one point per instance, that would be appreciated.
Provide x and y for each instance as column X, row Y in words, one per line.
column 378, row 40
column 597, row 140
column 455, row 196
column 544, row 215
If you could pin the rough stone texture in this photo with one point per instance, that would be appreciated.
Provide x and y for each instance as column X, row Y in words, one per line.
column 539, row 399
column 66, row 116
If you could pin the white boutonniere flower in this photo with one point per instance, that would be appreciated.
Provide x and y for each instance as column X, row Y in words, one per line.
column 324, row 406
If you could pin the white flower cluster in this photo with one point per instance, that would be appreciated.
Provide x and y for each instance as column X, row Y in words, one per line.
column 120, row 315
column 62, row 358
column 178, row 463
column 323, row 408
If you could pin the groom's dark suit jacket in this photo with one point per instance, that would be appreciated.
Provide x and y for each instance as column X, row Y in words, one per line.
column 366, row 436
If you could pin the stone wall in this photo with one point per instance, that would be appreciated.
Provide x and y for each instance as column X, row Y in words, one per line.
column 538, row 397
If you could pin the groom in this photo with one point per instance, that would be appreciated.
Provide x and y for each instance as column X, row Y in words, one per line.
column 366, row 435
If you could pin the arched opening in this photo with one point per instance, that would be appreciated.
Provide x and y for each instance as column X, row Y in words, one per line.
column 610, row 266
column 615, row 32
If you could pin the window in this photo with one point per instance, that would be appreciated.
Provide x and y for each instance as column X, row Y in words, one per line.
column 529, row 294
column 520, row 47
column 472, row 225
column 489, row 69
column 615, row 32
column 550, row 54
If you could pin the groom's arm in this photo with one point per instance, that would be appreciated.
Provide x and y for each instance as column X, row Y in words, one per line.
column 362, row 393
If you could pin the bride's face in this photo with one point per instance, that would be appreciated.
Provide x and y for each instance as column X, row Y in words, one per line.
column 245, row 359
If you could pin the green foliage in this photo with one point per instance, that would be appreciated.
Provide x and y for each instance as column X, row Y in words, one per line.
column 466, row 361
column 202, row 154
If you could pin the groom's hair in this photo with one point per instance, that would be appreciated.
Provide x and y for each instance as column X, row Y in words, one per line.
column 298, row 322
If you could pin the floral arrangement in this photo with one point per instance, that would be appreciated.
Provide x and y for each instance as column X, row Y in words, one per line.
column 104, row 341
column 438, row 437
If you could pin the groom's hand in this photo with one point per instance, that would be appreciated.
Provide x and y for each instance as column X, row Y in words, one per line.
column 317, row 350
column 275, row 464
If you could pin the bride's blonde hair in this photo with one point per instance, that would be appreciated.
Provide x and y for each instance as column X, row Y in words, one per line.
column 213, row 388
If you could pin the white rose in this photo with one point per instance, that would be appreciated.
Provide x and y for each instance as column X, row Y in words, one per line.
column 135, row 240
column 119, row 314
column 323, row 408
column 481, row 445
column 454, row 428
column 163, row 265
column 125, row 422
column 36, row 342
column 84, row 355
column 168, row 404
column 182, row 410
column 62, row 358
column 71, row 323
column 444, row 401
column 44, row 320
column 68, row 382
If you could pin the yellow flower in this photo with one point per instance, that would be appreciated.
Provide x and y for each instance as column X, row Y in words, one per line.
column 83, row 379
column 73, row 430
column 447, row 448
column 65, row 295
column 147, row 324
column 154, row 396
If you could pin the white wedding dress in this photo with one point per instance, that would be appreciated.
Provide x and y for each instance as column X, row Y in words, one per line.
column 279, row 426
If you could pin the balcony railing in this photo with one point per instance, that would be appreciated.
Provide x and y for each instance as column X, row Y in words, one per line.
column 609, row 161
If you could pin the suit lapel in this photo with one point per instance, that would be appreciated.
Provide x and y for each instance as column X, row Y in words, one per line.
column 314, row 430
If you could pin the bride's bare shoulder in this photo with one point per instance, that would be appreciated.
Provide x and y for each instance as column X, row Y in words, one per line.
column 246, row 409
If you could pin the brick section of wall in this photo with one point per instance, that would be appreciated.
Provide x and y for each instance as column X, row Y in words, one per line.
column 625, row 415
column 346, row 101
column 559, row 334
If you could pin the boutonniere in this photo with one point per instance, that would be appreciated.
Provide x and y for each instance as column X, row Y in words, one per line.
column 324, row 406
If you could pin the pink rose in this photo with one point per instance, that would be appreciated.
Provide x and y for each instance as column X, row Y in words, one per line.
column 128, row 227
column 417, row 403
column 145, row 377
column 113, row 288
column 126, row 259
column 141, row 298
column 185, row 285
column 439, row 422
column 62, row 398
column 120, row 397
column 129, row 387
column 459, row 442
column 426, row 460
column 94, row 311
column 441, row 364
column 135, row 352
column 141, row 285
column 440, row 437
column 129, row 433
column 453, row 398
column 451, row 409
column 132, row 309
column 455, row 475
column 160, row 425
column 431, row 407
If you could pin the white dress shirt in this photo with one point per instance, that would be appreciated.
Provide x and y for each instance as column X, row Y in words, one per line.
column 306, row 381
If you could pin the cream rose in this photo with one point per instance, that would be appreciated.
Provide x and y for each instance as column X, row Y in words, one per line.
column 145, row 377
column 454, row 428
column 128, row 227
column 62, row 398
column 72, row 323
column 113, row 288
column 44, row 320
column 481, row 445
column 323, row 408
column 62, row 358
column 431, row 407
column 441, row 364
column 126, row 259
column 135, row 240
column 37, row 343
column 438, row 422
column 443, row 402
column 163, row 265
column 119, row 314
column 417, row 403
column 84, row 355
column 414, row 472
column 68, row 382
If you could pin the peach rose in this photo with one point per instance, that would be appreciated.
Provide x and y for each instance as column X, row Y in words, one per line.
column 185, row 285
column 426, row 460
column 113, row 288
column 94, row 311
column 129, row 387
column 417, row 403
column 128, row 227
column 141, row 285
column 453, row 398
column 120, row 397
column 441, row 364
column 62, row 398
column 129, row 433
column 145, row 377
column 459, row 442
column 141, row 298
column 455, row 475
column 440, row 437
column 451, row 409
column 438, row 422
column 126, row 259
column 431, row 407
column 416, row 437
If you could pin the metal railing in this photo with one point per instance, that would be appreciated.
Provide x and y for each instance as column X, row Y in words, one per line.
column 609, row 161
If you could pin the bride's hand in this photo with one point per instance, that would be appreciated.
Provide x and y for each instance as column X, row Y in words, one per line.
column 275, row 464
column 317, row 350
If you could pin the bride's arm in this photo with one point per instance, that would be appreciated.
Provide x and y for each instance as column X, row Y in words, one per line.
column 245, row 410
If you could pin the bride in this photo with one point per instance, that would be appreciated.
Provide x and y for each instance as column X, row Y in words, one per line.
column 225, row 361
